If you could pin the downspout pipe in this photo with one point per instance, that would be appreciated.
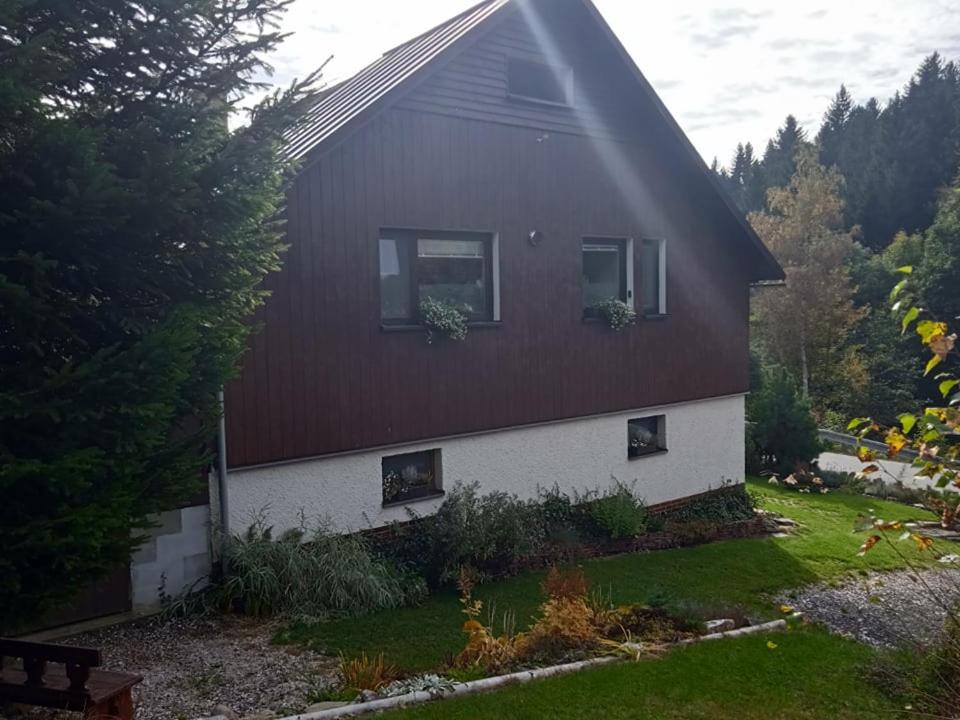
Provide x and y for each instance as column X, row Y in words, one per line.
column 222, row 483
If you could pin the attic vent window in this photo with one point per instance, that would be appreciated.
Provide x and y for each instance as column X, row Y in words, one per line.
column 539, row 83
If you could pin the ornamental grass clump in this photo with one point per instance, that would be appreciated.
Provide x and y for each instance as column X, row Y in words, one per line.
column 309, row 572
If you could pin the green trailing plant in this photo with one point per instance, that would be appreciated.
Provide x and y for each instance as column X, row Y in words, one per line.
column 442, row 319
column 726, row 505
column 616, row 313
column 309, row 573
column 136, row 232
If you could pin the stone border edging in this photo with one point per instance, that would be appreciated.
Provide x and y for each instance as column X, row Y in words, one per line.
column 524, row 676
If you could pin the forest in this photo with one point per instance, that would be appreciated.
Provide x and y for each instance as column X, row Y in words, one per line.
column 874, row 190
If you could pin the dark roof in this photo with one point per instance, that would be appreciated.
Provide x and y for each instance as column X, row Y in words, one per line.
column 351, row 100
column 357, row 94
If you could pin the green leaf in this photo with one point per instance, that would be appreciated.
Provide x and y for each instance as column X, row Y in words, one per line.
column 947, row 385
column 897, row 289
column 912, row 314
column 906, row 269
column 857, row 422
column 934, row 361
column 907, row 421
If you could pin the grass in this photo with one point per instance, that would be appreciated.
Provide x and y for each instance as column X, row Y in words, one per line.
column 809, row 675
column 741, row 572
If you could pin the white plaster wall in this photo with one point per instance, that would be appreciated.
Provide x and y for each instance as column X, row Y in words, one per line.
column 705, row 441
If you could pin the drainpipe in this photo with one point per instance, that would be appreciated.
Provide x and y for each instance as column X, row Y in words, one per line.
column 222, row 483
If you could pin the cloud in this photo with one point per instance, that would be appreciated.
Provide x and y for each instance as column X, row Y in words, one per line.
column 723, row 36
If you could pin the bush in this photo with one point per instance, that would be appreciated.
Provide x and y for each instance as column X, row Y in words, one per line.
column 618, row 513
column 492, row 533
column 781, row 432
column 312, row 573
column 567, row 622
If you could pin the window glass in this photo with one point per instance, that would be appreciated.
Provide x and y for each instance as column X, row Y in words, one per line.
column 394, row 280
column 650, row 265
column 603, row 273
column 410, row 476
column 455, row 272
column 645, row 436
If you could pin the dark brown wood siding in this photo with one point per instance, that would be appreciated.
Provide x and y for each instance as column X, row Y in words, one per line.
column 474, row 83
column 323, row 377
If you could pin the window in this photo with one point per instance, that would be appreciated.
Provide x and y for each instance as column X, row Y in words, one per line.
column 539, row 82
column 653, row 268
column 646, row 436
column 607, row 272
column 456, row 268
column 412, row 476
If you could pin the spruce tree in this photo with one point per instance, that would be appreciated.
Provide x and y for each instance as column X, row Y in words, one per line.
column 831, row 135
column 135, row 232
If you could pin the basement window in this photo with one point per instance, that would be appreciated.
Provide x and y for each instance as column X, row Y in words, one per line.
column 410, row 477
column 539, row 82
column 646, row 436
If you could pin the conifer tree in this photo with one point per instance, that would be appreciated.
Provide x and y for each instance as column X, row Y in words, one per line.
column 135, row 232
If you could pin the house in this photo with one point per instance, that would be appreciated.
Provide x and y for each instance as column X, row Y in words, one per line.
column 512, row 162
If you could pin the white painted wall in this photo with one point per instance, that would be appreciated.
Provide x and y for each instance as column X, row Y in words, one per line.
column 705, row 441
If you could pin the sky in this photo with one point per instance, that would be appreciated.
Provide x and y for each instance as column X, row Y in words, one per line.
column 728, row 71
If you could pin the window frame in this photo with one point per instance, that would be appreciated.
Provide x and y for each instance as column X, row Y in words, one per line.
column 408, row 240
column 566, row 82
column 661, row 309
column 626, row 256
column 661, row 445
column 434, row 490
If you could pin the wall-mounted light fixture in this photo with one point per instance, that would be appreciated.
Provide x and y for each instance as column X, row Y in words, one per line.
column 535, row 238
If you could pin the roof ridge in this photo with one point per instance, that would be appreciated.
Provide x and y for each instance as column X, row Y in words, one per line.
column 440, row 25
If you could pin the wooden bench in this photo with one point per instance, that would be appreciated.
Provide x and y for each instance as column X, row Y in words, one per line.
column 71, row 685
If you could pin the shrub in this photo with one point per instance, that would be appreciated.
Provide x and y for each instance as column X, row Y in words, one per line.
column 309, row 572
column 618, row 513
column 485, row 651
column 444, row 319
column 781, row 433
column 567, row 622
column 492, row 533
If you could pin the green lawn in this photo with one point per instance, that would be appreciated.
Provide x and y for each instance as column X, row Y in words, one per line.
column 743, row 572
column 809, row 676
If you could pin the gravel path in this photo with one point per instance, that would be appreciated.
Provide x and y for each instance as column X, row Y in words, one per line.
column 883, row 610
column 192, row 665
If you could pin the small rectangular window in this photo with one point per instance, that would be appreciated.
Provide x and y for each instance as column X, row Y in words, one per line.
column 539, row 82
column 646, row 436
column 456, row 268
column 604, row 273
column 411, row 476
column 653, row 278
